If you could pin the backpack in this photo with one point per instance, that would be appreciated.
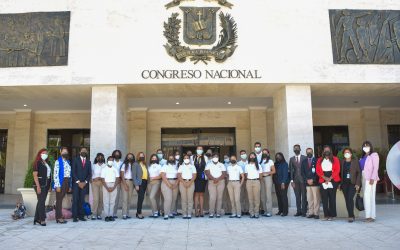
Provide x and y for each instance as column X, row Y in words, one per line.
column 86, row 209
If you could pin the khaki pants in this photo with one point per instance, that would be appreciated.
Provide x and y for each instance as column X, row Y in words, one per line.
column 126, row 197
column 313, row 199
column 263, row 197
column 154, row 188
column 253, row 190
column 234, row 190
column 226, row 202
column 216, row 192
column 267, row 180
column 97, row 190
column 244, row 198
column 117, row 198
column 169, row 195
column 109, row 199
column 187, row 198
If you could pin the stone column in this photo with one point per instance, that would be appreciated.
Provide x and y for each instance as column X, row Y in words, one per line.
column 22, row 154
column 371, row 120
column 258, row 126
column 108, row 121
column 138, row 130
column 293, row 122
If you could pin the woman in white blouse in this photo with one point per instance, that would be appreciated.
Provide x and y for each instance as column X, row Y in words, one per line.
column 216, row 173
column 97, row 186
column 235, row 182
column 186, row 175
column 155, row 183
column 253, row 174
column 169, row 185
column 62, row 181
column 268, row 169
column 126, row 184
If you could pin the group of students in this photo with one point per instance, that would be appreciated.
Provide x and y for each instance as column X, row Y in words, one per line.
column 248, row 181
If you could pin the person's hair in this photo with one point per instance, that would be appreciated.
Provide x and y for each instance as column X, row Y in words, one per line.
column 154, row 155
column 233, row 156
column 199, row 147
column 159, row 150
column 39, row 158
column 296, row 145
column 215, row 154
column 171, row 156
column 255, row 158
column 177, row 152
column 126, row 161
column 95, row 159
column 62, row 148
column 110, row 157
column 330, row 149
column 347, row 149
column 310, row 149
column 186, row 155
column 281, row 155
column 80, row 149
column 257, row 143
column 369, row 144
column 242, row 151
column 115, row 152
column 138, row 156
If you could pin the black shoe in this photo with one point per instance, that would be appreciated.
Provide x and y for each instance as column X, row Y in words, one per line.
column 115, row 217
column 123, row 217
column 112, row 218
column 128, row 217
column 82, row 219
column 61, row 221
column 310, row 216
column 256, row 216
column 303, row 215
column 106, row 219
column 139, row 216
column 43, row 224
column 316, row 217
column 36, row 221
column 75, row 220
column 252, row 216
column 297, row 214
column 284, row 214
column 262, row 211
column 279, row 213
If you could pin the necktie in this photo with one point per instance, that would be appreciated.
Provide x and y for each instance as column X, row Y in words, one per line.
column 309, row 162
column 83, row 162
column 297, row 159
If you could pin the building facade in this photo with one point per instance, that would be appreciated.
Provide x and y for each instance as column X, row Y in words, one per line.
column 109, row 74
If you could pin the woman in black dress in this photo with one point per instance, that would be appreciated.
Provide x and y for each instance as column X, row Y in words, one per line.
column 200, row 163
column 42, row 180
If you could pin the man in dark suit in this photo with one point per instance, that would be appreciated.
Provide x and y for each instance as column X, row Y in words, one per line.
column 297, row 181
column 311, row 179
column 81, row 175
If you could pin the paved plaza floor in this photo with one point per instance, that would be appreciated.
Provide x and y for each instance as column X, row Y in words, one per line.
column 203, row 233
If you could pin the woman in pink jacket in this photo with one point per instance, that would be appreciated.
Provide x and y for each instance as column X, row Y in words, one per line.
column 369, row 164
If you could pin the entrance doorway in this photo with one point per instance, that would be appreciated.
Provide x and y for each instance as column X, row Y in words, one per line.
column 73, row 139
column 335, row 136
column 218, row 140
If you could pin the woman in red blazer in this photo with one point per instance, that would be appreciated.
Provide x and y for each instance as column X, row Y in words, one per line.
column 328, row 170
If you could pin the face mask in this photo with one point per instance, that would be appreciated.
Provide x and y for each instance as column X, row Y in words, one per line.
column 215, row 159
column 141, row 158
column 65, row 155
column 208, row 155
column 130, row 159
column 257, row 149
column 171, row 161
column 44, row 156
column 296, row 151
column 117, row 157
column 199, row 151
column 243, row 156
column 309, row 155
column 233, row 162
column 101, row 160
column 83, row 154
column 327, row 153
column 278, row 159
column 153, row 161
column 366, row 149
column 226, row 160
column 177, row 157
column 347, row 155
column 252, row 160
column 186, row 161
column 110, row 163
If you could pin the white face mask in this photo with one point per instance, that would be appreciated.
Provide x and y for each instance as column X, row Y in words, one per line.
column 110, row 163
column 199, row 151
column 44, row 156
column 366, row 149
column 215, row 159
column 257, row 149
column 243, row 156
column 177, row 157
column 347, row 155
column 186, row 161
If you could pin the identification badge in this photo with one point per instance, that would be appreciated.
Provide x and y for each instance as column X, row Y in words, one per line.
column 202, row 175
column 313, row 170
column 348, row 176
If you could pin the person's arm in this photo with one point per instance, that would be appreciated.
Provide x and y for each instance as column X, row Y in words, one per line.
column 358, row 174
column 75, row 171
column 89, row 173
column 209, row 176
column 318, row 168
column 36, row 180
column 375, row 169
column 336, row 170
column 285, row 173
column 56, row 176
column 273, row 170
column 291, row 169
column 123, row 181
column 223, row 176
column 242, row 178
column 165, row 180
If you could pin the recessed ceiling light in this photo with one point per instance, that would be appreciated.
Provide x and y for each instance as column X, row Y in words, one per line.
column 177, row 103
column 25, row 105
column 229, row 103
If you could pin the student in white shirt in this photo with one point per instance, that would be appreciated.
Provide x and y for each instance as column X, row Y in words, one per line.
column 253, row 173
column 268, row 169
column 117, row 165
column 244, row 198
column 169, row 186
column 186, row 175
column 235, row 181
column 97, row 186
column 226, row 202
column 127, row 184
column 216, row 173
column 110, row 180
column 155, row 183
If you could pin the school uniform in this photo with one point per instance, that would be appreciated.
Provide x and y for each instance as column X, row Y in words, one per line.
column 170, row 195
column 110, row 176
column 215, row 190
column 263, row 195
column 267, row 180
column 253, row 188
column 187, row 172
column 154, row 186
column 117, row 165
column 234, row 188
column 97, row 189
column 244, row 198
column 126, row 195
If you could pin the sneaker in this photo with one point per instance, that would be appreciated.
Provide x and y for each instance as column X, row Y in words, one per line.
column 171, row 216
column 268, row 215
column 184, row 217
column 238, row 216
column 310, row 216
column 252, row 216
column 218, row 216
column 94, row 218
column 165, row 217
column 189, row 217
column 256, row 216
column 99, row 217
column 115, row 217
column 124, row 217
column 232, row 216
column 128, row 217
column 211, row 216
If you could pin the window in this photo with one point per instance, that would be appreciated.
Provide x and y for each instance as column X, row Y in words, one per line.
column 73, row 139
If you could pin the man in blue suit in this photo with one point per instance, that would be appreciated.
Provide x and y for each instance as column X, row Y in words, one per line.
column 81, row 175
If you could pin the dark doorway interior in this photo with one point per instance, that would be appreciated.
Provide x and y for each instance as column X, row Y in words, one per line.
column 335, row 136
column 393, row 134
column 73, row 139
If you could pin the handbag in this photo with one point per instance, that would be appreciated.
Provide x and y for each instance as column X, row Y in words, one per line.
column 359, row 202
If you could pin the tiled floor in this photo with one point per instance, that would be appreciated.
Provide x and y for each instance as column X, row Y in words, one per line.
column 205, row 233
